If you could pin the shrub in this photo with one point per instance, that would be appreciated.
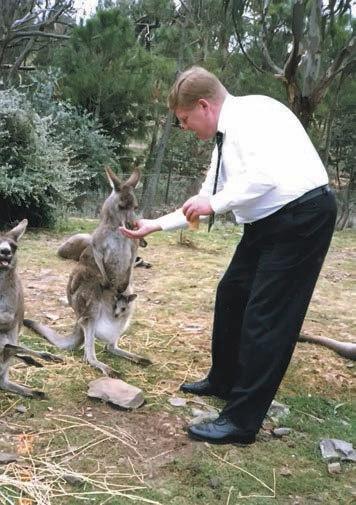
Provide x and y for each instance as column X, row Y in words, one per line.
column 36, row 178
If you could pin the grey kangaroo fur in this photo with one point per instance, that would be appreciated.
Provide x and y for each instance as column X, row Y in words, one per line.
column 11, row 315
column 72, row 248
column 99, row 289
column 344, row 349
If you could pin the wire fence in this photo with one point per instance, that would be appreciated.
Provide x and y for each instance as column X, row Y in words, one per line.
column 171, row 192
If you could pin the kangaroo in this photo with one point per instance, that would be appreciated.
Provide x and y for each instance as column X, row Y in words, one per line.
column 99, row 288
column 11, row 315
column 344, row 349
column 72, row 248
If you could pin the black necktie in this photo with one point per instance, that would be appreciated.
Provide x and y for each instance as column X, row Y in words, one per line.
column 219, row 143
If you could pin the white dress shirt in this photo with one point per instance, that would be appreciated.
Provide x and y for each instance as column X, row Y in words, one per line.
column 267, row 161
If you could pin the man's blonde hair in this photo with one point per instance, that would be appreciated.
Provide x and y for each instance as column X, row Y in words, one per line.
column 193, row 84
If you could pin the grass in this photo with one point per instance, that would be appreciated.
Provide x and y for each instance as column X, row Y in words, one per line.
column 144, row 456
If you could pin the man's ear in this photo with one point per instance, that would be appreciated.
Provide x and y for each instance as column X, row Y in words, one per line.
column 204, row 104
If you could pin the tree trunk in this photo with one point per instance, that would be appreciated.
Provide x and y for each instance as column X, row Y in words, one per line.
column 149, row 159
column 148, row 198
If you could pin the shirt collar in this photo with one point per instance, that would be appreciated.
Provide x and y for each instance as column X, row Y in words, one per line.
column 224, row 113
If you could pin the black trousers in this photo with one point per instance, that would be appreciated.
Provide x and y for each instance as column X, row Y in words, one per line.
column 261, row 304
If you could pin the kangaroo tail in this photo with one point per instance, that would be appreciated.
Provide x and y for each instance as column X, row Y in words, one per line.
column 72, row 248
column 344, row 349
column 74, row 340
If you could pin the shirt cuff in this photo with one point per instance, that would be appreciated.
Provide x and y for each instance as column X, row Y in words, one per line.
column 172, row 221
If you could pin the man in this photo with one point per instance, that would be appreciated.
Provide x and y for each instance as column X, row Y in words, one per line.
column 273, row 180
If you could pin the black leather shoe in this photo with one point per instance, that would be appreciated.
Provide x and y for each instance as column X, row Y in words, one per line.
column 220, row 431
column 202, row 388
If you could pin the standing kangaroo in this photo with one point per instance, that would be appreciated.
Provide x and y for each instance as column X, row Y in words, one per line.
column 99, row 289
column 11, row 315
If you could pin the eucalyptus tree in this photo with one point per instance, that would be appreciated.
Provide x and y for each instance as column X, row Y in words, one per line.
column 25, row 27
column 304, row 44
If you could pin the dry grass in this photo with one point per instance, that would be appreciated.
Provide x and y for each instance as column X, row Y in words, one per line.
column 74, row 448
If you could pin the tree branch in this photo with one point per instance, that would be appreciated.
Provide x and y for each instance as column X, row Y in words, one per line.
column 35, row 33
column 275, row 68
column 22, row 67
column 15, row 67
column 349, row 53
column 291, row 65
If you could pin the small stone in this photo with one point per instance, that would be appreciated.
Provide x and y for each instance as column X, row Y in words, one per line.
column 177, row 401
column 285, row 471
column 73, row 479
column 207, row 416
column 334, row 468
column 281, row 432
column 63, row 300
column 21, row 408
column 277, row 411
column 267, row 425
column 197, row 412
column 8, row 457
column 214, row 482
column 117, row 392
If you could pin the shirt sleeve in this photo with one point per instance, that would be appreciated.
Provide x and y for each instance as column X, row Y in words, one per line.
column 172, row 221
column 176, row 219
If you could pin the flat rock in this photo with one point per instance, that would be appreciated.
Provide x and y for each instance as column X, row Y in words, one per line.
column 334, row 449
column 117, row 392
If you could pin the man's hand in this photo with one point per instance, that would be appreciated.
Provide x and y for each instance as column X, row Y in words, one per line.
column 142, row 227
column 197, row 206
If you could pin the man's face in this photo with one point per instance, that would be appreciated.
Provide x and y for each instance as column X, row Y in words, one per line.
column 201, row 119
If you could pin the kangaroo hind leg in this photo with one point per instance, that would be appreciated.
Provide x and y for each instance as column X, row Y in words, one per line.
column 136, row 358
column 89, row 350
column 19, row 389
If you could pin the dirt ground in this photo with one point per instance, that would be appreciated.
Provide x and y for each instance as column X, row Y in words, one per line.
column 171, row 326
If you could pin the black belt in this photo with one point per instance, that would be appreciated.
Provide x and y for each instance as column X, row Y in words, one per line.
column 322, row 190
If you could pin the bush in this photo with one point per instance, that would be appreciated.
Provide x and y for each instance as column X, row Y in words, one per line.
column 90, row 146
column 36, row 179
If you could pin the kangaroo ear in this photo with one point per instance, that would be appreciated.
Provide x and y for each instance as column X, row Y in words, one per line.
column 131, row 298
column 113, row 179
column 17, row 232
column 134, row 178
